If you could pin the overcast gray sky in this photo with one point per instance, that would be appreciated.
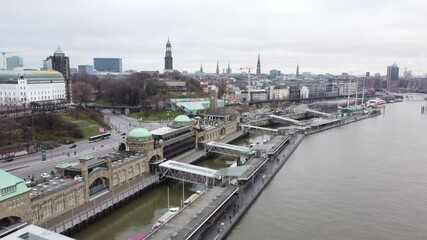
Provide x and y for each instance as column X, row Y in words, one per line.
column 322, row 35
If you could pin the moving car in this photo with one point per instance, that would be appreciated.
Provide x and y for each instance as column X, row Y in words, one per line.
column 73, row 146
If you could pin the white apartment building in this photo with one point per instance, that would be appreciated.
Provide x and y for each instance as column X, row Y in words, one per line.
column 347, row 88
column 21, row 87
column 304, row 92
column 279, row 92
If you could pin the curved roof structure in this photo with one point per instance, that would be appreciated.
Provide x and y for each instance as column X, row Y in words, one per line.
column 139, row 133
column 32, row 76
column 182, row 119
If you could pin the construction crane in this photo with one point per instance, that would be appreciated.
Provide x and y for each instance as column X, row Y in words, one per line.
column 4, row 59
column 5, row 53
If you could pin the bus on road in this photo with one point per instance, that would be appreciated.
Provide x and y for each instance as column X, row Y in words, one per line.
column 99, row 137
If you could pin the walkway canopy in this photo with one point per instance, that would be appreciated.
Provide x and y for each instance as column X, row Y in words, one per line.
column 228, row 149
column 188, row 172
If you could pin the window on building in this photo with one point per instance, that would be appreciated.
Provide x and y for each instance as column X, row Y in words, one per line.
column 8, row 190
column 80, row 194
column 59, row 201
column 47, row 208
column 71, row 199
column 35, row 213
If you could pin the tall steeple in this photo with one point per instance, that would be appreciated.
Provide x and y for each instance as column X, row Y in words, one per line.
column 168, row 58
column 217, row 68
column 201, row 68
column 258, row 66
column 297, row 73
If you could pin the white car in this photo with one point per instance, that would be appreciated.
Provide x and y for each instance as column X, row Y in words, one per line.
column 45, row 175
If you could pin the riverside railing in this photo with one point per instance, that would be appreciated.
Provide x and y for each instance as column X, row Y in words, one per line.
column 101, row 206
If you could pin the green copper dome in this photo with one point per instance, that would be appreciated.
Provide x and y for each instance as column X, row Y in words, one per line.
column 139, row 133
column 182, row 119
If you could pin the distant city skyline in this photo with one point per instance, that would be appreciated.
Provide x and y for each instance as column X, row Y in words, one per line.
column 330, row 36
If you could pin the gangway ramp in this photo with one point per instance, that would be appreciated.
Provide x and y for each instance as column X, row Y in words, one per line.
column 257, row 129
column 319, row 113
column 285, row 119
column 189, row 172
column 228, row 149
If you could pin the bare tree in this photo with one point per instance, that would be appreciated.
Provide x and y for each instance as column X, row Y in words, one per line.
column 8, row 129
column 82, row 92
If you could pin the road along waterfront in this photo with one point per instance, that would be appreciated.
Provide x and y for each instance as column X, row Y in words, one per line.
column 361, row 181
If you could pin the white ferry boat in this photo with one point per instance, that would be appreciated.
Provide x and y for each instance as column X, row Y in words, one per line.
column 376, row 102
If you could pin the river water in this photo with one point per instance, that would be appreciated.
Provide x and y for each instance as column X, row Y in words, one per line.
column 366, row 180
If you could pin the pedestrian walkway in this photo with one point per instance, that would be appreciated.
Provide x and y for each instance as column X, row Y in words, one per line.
column 100, row 203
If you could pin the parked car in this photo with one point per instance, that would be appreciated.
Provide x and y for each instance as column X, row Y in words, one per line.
column 123, row 134
column 73, row 146
column 45, row 176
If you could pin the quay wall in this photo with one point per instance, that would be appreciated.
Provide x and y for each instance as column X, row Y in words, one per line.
column 342, row 123
column 76, row 219
column 257, row 185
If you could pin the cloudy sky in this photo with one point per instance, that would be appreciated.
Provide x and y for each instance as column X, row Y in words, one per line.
column 333, row 36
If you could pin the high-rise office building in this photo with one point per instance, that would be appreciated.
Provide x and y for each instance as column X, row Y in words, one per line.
column 258, row 66
column 168, row 58
column 61, row 63
column 392, row 76
column 297, row 72
column 274, row 73
column 13, row 62
column 85, row 70
column 107, row 64
column 217, row 68
column 58, row 62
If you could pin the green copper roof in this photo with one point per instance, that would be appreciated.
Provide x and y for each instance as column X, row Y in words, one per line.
column 32, row 76
column 182, row 119
column 59, row 51
column 8, row 180
column 139, row 133
column 86, row 158
column 65, row 165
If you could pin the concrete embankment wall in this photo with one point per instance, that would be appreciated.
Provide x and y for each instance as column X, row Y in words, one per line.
column 344, row 122
column 74, row 221
column 276, row 164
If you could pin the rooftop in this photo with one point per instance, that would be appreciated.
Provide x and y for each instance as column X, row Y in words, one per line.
column 64, row 165
column 139, row 133
column 32, row 76
column 36, row 233
column 182, row 119
column 59, row 51
column 10, row 181
column 164, row 131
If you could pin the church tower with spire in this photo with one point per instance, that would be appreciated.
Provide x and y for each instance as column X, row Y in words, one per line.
column 217, row 68
column 168, row 58
column 258, row 66
column 297, row 73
